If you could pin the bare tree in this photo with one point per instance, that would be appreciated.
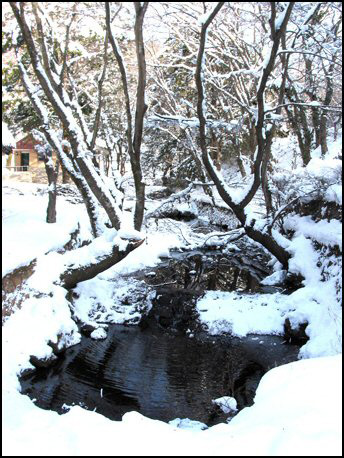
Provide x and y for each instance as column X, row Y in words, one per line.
column 134, row 132
column 314, row 53
column 264, row 135
column 75, row 152
column 52, row 170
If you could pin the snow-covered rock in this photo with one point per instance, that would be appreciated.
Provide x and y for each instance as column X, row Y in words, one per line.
column 227, row 404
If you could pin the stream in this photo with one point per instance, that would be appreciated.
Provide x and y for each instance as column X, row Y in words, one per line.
column 159, row 375
column 161, row 368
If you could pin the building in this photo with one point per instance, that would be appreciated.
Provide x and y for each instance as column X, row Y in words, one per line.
column 24, row 163
column 24, row 157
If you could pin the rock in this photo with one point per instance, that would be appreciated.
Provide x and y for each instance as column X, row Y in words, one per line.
column 277, row 278
column 57, row 347
column 178, row 213
column 99, row 334
column 28, row 371
column 64, row 341
column 13, row 288
column 293, row 281
column 87, row 329
column 42, row 362
column 173, row 309
column 186, row 423
column 227, row 404
column 297, row 335
column 74, row 241
column 161, row 193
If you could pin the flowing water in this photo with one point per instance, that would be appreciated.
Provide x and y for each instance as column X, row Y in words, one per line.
column 159, row 375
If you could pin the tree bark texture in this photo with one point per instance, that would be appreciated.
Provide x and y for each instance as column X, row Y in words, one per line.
column 72, row 276
column 52, row 174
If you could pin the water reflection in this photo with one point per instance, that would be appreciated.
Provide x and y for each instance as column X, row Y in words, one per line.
column 161, row 376
column 214, row 271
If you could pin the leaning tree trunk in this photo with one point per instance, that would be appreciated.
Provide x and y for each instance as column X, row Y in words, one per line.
column 82, row 166
column 85, row 270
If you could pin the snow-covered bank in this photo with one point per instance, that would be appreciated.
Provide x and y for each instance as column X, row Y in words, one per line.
column 25, row 234
column 241, row 315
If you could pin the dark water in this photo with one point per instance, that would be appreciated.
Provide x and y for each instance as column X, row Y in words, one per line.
column 161, row 376
column 213, row 270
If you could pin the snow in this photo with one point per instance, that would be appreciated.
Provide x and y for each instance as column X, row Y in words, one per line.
column 280, row 18
column 297, row 408
column 7, row 137
column 334, row 194
column 314, row 103
column 99, row 333
column 25, row 233
column 242, row 314
column 204, row 17
column 324, row 232
column 99, row 300
column 186, row 423
column 303, row 405
column 276, row 278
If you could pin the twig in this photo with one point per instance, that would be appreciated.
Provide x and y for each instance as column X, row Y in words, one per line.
column 172, row 198
column 290, row 203
column 164, row 284
column 226, row 234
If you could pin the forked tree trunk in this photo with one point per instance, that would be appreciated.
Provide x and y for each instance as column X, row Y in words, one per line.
column 75, row 155
column 263, row 139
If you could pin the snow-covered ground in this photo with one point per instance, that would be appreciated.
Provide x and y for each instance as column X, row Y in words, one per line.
column 297, row 409
column 25, row 236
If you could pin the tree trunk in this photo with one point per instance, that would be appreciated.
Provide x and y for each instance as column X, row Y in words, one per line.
column 52, row 173
column 323, row 118
column 85, row 271
column 134, row 135
column 263, row 141
column 241, row 165
column 65, row 174
column 323, row 134
column 141, row 109
column 299, row 124
column 140, row 203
